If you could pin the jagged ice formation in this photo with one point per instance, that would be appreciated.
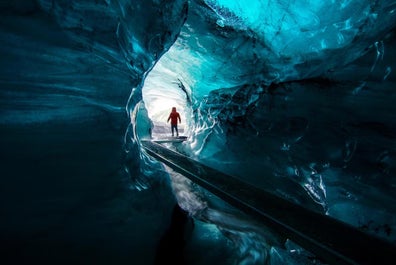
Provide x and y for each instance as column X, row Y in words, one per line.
column 295, row 97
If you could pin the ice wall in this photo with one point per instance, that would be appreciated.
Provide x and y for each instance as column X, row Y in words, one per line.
column 294, row 97
column 307, row 85
column 68, row 186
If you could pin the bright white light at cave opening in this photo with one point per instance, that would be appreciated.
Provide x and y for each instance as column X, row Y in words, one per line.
column 160, row 93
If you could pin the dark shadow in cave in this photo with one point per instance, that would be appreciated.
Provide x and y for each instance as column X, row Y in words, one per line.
column 170, row 249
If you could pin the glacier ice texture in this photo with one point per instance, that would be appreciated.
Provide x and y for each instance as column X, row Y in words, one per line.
column 296, row 98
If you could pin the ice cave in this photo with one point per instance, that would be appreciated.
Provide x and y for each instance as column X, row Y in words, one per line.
column 288, row 113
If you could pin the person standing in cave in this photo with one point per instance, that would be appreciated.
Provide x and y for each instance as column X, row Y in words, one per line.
column 174, row 116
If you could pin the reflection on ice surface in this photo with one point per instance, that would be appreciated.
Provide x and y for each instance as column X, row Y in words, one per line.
column 295, row 97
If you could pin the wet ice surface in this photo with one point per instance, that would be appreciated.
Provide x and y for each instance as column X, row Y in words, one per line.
column 68, row 69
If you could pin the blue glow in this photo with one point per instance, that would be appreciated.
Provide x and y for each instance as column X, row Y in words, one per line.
column 294, row 97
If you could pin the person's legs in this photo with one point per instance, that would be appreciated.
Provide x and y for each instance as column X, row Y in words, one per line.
column 177, row 131
column 173, row 129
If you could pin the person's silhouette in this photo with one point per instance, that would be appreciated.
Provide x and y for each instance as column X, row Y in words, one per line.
column 174, row 116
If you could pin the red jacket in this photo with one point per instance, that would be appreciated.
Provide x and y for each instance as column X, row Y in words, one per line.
column 174, row 116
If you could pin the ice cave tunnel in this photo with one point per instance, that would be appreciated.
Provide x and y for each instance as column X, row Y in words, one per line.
column 288, row 108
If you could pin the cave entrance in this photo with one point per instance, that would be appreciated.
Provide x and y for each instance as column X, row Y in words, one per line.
column 163, row 89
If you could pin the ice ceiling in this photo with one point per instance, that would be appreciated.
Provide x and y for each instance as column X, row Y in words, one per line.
column 226, row 44
column 296, row 97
